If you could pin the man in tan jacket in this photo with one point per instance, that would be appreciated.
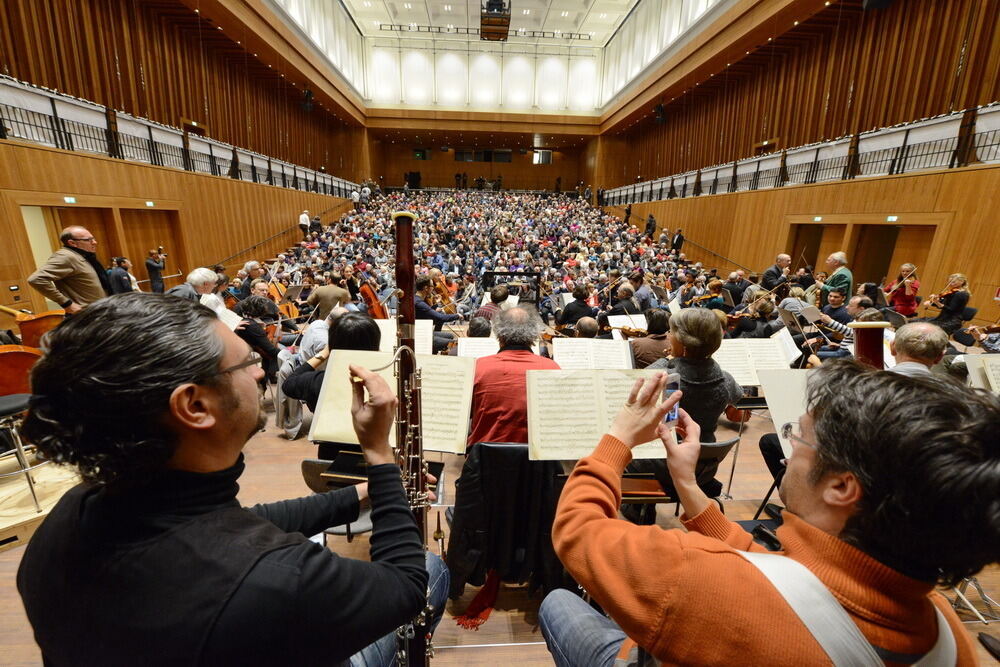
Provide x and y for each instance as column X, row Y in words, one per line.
column 72, row 277
column 326, row 298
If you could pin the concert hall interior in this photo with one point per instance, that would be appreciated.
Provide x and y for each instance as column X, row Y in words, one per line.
column 452, row 259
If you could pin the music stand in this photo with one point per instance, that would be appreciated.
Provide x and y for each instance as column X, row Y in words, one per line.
column 291, row 294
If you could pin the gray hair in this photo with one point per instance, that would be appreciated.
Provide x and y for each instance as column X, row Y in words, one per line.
column 698, row 330
column 920, row 340
column 251, row 265
column 840, row 257
column 202, row 276
column 517, row 326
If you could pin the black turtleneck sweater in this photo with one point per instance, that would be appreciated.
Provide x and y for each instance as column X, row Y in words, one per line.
column 178, row 568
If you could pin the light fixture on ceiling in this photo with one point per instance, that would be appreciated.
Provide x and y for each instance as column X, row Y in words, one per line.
column 407, row 5
column 447, row 8
column 525, row 11
column 564, row 14
column 604, row 16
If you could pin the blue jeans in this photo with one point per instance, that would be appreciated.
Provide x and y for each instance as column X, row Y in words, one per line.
column 577, row 634
column 827, row 352
column 382, row 653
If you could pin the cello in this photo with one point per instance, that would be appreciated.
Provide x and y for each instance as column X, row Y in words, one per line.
column 375, row 307
column 33, row 327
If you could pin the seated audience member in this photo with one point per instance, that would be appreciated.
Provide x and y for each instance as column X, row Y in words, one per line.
column 425, row 294
column 917, row 347
column 499, row 395
column 198, row 282
column 870, row 493
column 255, row 310
column 586, row 327
column 576, row 308
column 156, row 560
column 498, row 297
column 653, row 345
column 695, row 335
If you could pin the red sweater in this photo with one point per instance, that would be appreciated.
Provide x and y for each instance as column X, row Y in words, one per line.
column 500, row 398
column 689, row 599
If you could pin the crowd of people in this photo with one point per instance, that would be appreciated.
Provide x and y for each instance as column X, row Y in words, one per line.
column 158, row 441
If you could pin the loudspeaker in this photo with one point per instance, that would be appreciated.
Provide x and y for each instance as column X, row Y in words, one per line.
column 875, row 4
column 307, row 100
column 660, row 117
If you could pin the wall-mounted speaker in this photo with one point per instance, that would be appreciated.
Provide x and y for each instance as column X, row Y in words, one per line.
column 660, row 113
column 307, row 100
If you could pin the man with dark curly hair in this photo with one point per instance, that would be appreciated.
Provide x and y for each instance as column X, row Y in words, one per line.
column 152, row 560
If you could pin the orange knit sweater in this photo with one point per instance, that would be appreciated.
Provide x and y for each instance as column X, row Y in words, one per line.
column 689, row 599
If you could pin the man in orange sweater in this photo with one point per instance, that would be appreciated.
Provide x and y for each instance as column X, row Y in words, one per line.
column 893, row 486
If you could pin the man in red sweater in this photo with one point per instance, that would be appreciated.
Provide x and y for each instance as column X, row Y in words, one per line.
column 499, row 395
column 883, row 503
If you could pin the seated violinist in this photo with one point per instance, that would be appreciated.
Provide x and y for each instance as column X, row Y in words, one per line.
column 653, row 345
column 255, row 310
column 902, row 292
column 712, row 299
column 576, row 308
column 754, row 320
column 424, row 297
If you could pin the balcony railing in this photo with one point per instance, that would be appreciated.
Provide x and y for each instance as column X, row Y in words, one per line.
column 46, row 117
column 953, row 140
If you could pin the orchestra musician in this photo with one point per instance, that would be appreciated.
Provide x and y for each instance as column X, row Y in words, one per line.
column 778, row 273
column 424, row 311
column 901, row 293
column 952, row 301
column 196, row 578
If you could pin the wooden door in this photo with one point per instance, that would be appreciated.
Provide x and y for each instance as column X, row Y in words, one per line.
column 146, row 230
column 913, row 245
column 96, row 220
column 873, row 252
column 805, row 245
column 831, row 241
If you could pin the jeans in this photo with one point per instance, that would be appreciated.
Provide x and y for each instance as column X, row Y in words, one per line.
column 577, row 634
column 382, row 653
column 825, row 353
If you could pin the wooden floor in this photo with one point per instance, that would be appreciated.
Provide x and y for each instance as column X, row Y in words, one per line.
column 511, row 634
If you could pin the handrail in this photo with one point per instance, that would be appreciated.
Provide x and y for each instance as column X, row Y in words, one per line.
column 946, row 141
column 43, row 116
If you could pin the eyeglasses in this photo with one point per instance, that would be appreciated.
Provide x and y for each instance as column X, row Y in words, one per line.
column 254, row 360
column 89, row 239
column 793, row 431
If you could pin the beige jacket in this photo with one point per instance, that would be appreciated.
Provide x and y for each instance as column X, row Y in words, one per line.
column 67, row 276
column 328, row 297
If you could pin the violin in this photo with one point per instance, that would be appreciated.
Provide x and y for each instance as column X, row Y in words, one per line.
column 631, row 332
column 698, row 299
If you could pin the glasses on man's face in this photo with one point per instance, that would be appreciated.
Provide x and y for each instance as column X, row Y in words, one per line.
column 253, row 360
column 793, row 431
column 89, row 239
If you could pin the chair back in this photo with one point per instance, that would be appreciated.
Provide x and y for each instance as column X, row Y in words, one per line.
column 716, row 451
column 15, row 365
column 969, row 313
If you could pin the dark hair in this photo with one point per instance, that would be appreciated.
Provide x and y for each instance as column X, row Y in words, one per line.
column 865, row 302
column 580, row 292
column 838, row 290
column 100, row 407
column 254, row 306
column 926, row 453
column 354, row 331
column 421, row 283
column 479, row 327
column 657, row 321
column 499, row 294
column 120, row 261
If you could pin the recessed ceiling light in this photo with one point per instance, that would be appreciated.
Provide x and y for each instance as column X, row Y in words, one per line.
column 525, row 11
column 604, row 16
column 450, row 26
column 407, row 5
column 564, row 14
column 367, row 4
column 447, row 8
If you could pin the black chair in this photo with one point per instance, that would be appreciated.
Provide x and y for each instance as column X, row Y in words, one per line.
column 645, row 490
column 12, row 407
column 969, row 314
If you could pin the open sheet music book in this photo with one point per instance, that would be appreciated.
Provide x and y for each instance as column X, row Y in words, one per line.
column 569, row 412
column 785, row 393
column 229, row 318
column 445, row 398
column 565, row 298
column 423, row 335
column 630, row 321
column 591, row 353
column 509, row 303
column 675, row 305
column 744, row 357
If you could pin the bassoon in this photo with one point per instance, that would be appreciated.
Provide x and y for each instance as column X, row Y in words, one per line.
column 413, row 639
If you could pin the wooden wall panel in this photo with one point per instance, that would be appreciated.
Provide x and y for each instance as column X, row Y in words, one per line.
column 157, row 59
column 440, row 170
column 842, row 71
column 215, row 217
column 750, row 228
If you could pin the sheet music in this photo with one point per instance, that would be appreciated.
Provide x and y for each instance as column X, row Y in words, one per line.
column 509, row 303
column 627, row 320
column 785, row 393
column 423, row 337
column 788, row 346
column 446, row 398
column 566, row 297
column 562, row 429
column 229, row 318
column 732, row 357
column 478, row 347
column 675, row 305
column 591, row 353
column 445, row 401
column 767, row 353
column 991, row 370
column 977, row 374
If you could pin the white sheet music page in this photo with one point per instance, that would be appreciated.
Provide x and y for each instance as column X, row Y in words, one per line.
column 785, row 393
column 734, row 358
column 788, row 346
column 591, row 353
column 991, row 370
column 766, row 353
column 569, row 411
column 478, row 347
